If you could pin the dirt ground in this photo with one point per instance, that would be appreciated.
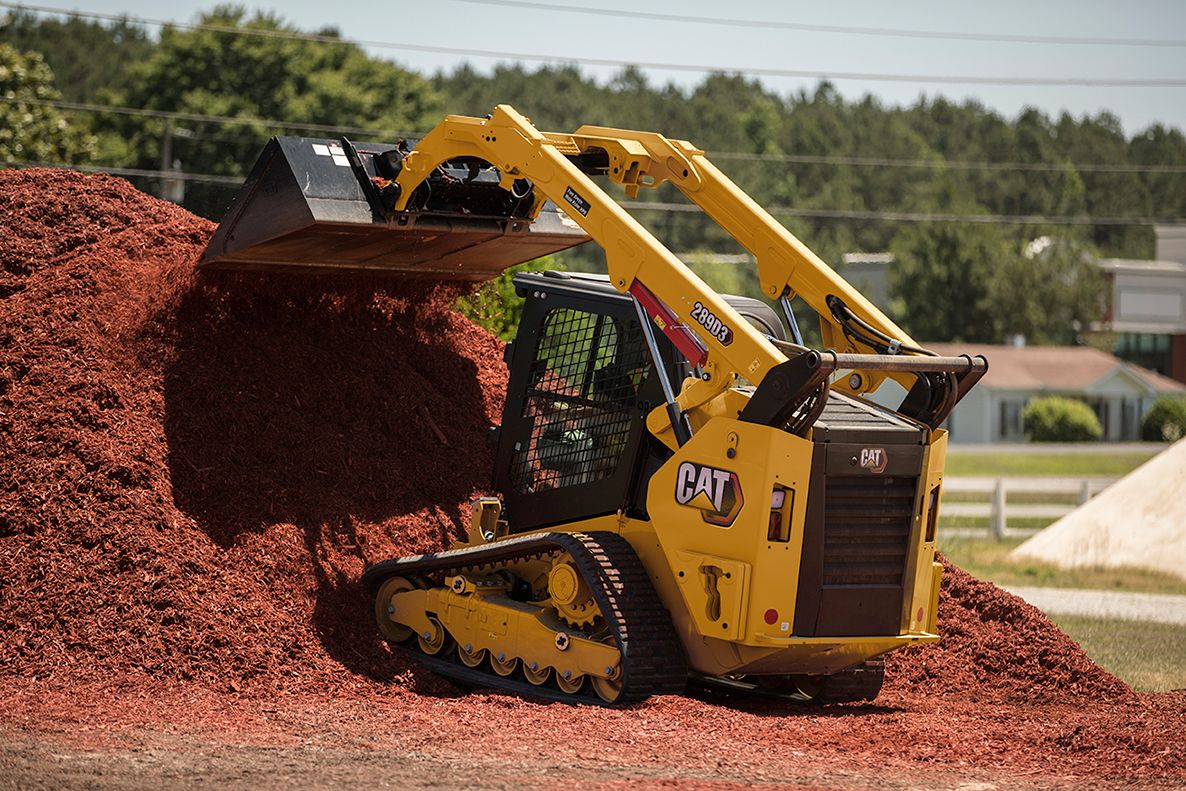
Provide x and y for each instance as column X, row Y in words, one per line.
column 185, row 737
column 179, row 762
column 185, row 763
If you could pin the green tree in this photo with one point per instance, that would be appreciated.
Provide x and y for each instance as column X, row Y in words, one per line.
column 971, row 283
column 1050, row 294
column 29, row 130
column 89, row 59
column 943, row 283
column 1162, row 147
column 732, row 113
column 270, row 76
column 1109, row 193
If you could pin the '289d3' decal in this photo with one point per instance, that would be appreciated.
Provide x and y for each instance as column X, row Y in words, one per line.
column 707, row 319
column 714, row 492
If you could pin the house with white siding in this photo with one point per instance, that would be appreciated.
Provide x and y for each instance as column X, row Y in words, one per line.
column 1119, row 392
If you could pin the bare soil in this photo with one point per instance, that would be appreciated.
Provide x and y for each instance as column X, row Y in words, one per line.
column 139, row 734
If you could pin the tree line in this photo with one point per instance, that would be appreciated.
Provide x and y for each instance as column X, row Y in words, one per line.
column 952, row 281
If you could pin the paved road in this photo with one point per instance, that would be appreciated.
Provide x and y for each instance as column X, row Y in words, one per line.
column 1157, row 607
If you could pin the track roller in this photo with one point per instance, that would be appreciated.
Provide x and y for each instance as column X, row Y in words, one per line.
column 537, row 674
column 503, row 665
column 469, row 657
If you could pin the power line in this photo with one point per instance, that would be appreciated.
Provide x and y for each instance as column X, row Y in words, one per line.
column 202, row 117
column 897, row 216
column 177, row 175
column 807, row 159
column 810, row 159
column 784, row 211
column 934, row 79
column 814, row 28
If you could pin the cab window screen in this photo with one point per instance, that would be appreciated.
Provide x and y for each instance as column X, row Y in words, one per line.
column 582, row 398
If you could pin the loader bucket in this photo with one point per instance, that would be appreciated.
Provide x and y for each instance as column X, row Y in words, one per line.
column 304, row 208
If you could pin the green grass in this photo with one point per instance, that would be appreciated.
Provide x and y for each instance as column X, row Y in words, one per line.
column 988, row 560
column 1025, row 464
column 981, row 522
column 1066, row 498
column 1148, row 656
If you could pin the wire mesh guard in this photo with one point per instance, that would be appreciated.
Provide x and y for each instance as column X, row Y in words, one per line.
column 583, row 396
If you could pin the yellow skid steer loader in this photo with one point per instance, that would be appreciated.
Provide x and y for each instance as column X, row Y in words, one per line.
column 686, row 489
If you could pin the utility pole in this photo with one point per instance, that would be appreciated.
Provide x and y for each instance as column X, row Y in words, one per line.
column 172, row 187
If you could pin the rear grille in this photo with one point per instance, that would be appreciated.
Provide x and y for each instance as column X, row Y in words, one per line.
column 867, row 522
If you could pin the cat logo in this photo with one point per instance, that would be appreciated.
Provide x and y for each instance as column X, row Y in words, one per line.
column 715, row 493
column 874, row 459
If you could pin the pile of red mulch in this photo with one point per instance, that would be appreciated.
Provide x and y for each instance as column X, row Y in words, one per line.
column 197, row 469
column 996, row 646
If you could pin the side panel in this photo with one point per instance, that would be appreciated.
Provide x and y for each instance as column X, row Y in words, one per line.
column 920, row 607
column 711, row 505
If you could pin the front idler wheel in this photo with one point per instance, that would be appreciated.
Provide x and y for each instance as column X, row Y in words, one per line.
column 385, row 610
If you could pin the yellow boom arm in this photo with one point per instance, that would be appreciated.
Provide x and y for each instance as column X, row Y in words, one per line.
column 509, row 141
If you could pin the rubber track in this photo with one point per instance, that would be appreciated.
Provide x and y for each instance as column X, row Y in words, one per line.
column 857, row 684
column 860, row 683
column 653, row 661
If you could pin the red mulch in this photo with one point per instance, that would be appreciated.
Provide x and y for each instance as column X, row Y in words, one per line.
column 998, row 647
column 194, row 472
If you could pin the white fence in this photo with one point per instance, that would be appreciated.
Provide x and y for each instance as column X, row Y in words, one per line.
column 997, row 508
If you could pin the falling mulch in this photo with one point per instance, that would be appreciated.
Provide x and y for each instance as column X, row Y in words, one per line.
column 195, row 470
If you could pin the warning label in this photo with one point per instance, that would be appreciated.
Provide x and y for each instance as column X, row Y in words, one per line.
column 576, row 201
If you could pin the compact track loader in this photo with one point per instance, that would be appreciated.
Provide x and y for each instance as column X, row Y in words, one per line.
column 687, row 491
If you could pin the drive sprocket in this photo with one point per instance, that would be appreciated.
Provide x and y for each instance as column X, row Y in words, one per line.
column 570, row 595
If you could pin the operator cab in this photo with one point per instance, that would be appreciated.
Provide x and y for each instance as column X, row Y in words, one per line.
column 573, row 442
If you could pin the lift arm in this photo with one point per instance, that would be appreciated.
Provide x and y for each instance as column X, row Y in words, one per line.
column 559, row 166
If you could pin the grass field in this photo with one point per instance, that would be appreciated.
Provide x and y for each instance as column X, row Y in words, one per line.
column 1149, row 656
column 989, row 560
column 1026, row 464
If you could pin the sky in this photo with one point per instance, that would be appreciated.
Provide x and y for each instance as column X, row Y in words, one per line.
column 473, row 26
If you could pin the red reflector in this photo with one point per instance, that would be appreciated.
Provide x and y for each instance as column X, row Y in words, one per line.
column 921, row 613
column 774, row 531
column 771, row 616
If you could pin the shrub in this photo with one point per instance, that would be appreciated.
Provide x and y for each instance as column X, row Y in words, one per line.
column 1057, row 419
column 1165, row 421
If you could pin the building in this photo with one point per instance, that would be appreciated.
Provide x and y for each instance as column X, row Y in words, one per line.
column 869, row 273
column 1148, row 306
column 1119, row 392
